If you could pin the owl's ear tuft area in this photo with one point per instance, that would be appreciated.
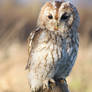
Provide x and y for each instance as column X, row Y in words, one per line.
column 48, row 4
column 66, row 5
column 58, row 4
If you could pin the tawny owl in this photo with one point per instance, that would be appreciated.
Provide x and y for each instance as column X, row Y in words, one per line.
column 53, row 46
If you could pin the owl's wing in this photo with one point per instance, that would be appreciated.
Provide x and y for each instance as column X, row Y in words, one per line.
column 30, row 41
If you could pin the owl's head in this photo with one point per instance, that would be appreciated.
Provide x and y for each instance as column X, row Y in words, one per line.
column 58, row 16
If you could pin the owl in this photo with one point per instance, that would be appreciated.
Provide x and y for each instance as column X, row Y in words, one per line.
column 53, row 45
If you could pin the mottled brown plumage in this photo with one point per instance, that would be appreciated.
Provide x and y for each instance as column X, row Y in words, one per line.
column 53, row 46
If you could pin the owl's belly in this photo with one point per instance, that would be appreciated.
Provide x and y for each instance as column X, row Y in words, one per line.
column 53, row 59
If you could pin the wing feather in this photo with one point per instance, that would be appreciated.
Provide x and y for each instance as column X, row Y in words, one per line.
column 30, row 41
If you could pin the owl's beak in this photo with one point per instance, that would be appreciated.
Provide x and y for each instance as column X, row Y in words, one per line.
column 56, row 27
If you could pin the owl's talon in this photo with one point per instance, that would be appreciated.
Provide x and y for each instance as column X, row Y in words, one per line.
column 35, row 85
column 52, row 83
column 49, row 83
column 34, row 89
column 45, row 85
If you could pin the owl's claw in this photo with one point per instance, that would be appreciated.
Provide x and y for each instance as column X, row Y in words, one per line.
column 35, row 89
column 45, row 85
column 49, row 83
column 35, row 85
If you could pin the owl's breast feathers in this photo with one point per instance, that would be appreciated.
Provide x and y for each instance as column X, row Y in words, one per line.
column 52, row 52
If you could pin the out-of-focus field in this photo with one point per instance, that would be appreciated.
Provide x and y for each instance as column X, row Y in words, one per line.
column 16, row 22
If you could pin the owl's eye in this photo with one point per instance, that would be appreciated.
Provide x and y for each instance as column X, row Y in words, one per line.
column 50, row 17
column 64, row 16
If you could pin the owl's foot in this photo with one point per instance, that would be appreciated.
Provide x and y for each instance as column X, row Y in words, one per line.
column 35, row 89
column 36, row 85
column 49, row 83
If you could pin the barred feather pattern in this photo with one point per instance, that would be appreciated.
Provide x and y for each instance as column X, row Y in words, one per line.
column 52, row 54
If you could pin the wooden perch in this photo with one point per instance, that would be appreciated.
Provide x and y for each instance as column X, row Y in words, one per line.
column 61, row 86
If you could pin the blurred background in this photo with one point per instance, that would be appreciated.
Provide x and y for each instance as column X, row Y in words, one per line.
column 17, row 19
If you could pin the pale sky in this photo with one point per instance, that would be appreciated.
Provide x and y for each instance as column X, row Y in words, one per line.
column 85, row 2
